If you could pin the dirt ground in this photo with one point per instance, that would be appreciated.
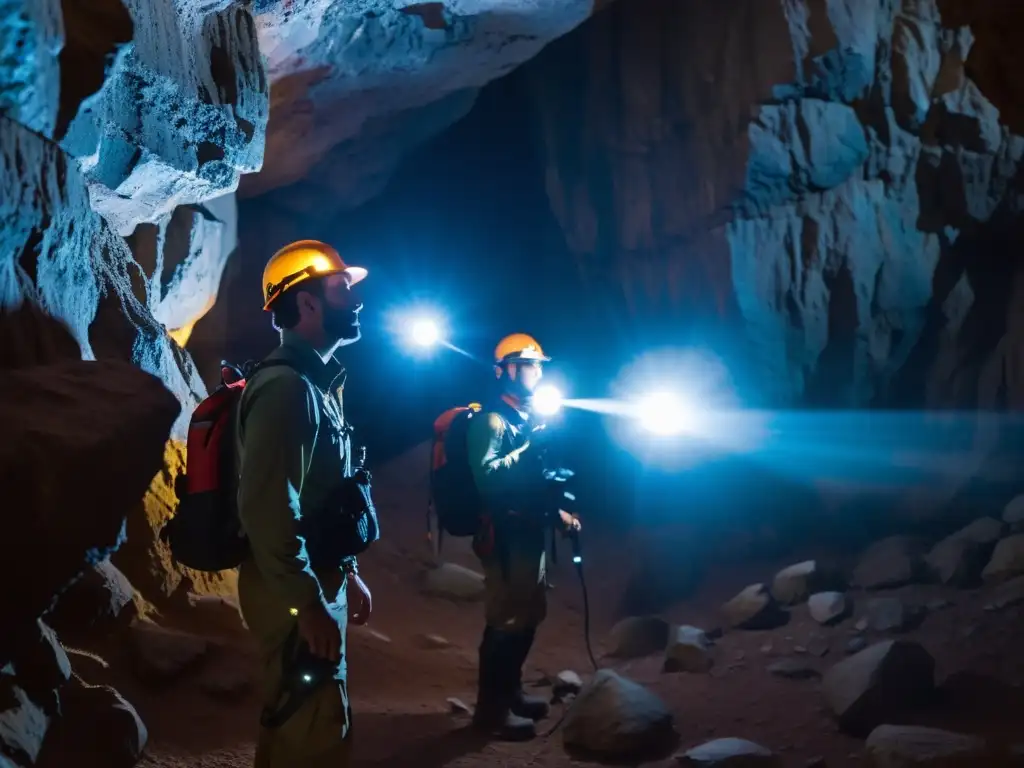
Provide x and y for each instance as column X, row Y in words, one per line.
column 400, row 689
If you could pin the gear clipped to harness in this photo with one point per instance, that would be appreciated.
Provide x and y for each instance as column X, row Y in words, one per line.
column 455, row 501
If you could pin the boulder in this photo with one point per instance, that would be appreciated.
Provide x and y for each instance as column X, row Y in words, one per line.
column 888, row 563
column 164, row 653
column 892, row 614
column 957, row 560
column 637, row 636
column 82, row 442
column 1007, row 560
column 455, row 582
column 796, row 583
column 911, row 746
column 613, row 717
column 754, row 608
column 100, row 599
column 729, row 753
column 689, row 650
column 95, row 720
column 829, row 607
column 878, row 684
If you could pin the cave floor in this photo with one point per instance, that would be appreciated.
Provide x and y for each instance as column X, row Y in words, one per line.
column 400, row 689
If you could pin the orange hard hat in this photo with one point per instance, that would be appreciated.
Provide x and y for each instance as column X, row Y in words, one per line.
column 300, row 261
column 519, row 348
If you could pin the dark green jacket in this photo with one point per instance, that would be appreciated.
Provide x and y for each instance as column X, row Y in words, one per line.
column 294, row 452
column 508, row 474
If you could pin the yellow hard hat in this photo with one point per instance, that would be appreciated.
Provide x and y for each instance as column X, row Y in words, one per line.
column 301, row 261
column 519, row 347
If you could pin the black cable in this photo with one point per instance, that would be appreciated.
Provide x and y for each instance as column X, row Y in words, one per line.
column 577, row 559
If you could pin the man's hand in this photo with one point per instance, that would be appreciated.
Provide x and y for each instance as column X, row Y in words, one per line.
column 320, row 632
column 360, row 601
column 571, row 522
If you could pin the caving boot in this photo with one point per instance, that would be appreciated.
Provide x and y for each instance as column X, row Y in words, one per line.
column 523, row 704
column 496, row 692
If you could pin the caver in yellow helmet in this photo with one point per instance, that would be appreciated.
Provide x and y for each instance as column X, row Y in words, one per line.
column 519, row 348
column 302, row 261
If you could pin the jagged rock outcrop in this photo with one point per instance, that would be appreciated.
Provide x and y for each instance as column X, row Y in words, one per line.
column 83, row 440
column 355, row 85
column 822, row 175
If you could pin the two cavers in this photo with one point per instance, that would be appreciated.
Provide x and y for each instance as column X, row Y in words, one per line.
column 297, row 593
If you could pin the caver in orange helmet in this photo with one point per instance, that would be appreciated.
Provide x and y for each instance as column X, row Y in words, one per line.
column 519, row 348
column 300, row 261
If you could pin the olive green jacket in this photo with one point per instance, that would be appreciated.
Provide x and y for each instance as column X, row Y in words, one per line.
column 293, row 454
column 508, row 475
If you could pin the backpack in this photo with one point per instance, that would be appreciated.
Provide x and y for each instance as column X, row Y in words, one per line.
column 205, row 533
column 455, row 501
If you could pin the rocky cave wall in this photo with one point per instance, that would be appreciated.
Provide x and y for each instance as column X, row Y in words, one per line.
column 840, row 178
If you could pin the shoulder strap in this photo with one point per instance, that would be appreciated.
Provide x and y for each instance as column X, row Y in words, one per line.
column 272, row 363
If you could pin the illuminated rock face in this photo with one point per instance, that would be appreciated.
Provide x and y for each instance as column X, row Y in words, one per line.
column 840, row 180
column 358, row 84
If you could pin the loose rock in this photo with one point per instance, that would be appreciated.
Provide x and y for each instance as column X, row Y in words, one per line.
column 829, row 607
column 957, row 561
column 878, row 684
column 616, row 717
column 797, row 582
column 689, row 650
column 896, row 746
column 754, row 608
column 638, row 636
column 567, row 683
column 888, row 563
column 1007, row 560
column 458, row 706
column 729, row 753
column 454, row 582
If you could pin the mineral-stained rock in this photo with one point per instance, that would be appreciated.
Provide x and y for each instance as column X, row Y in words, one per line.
column 83, row 440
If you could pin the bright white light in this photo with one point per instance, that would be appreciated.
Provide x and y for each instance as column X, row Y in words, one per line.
column 664, row 413
column 547, row 400
column 424, row 332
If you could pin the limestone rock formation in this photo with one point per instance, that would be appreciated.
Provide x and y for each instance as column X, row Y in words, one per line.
column 355, row 85
column 820, row 175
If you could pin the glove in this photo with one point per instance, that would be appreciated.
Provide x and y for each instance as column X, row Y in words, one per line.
column 360, row 601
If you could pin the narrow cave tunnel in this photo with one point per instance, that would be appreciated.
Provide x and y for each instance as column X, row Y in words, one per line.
column 774, row 250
